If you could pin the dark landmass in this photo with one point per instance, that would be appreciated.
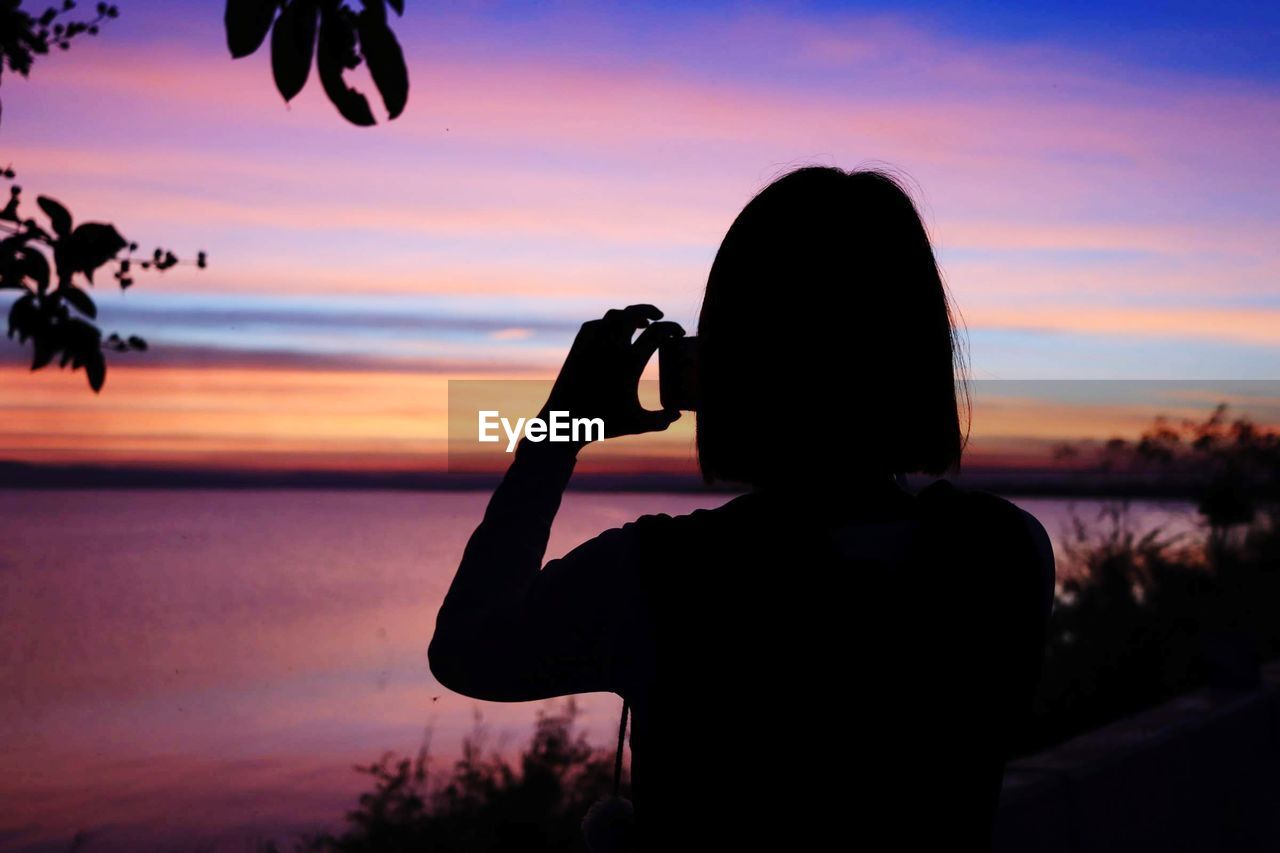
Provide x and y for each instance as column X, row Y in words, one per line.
column 1047, row 482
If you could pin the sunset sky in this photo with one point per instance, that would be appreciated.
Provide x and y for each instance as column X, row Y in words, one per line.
column 1102, row 186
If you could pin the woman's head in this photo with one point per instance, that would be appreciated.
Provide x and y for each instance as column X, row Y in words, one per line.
column 826, row 343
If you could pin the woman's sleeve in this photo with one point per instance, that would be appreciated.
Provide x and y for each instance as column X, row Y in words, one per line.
column 512, row 630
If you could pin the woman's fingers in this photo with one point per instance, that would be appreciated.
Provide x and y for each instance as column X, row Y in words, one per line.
column 656, row 421
column 651, row 338
column 633, row 316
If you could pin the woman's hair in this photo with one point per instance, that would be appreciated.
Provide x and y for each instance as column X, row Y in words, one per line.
column 827, row 349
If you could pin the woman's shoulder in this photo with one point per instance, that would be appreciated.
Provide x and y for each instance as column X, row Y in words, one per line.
column 994, row 527
column 986, row 509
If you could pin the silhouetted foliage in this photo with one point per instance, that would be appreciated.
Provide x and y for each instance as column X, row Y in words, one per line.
column 485, row 802
column 1143, row 615
column 1231, row 465
column 337, row 37
column 24, row 37
column 1235, row 463
column 53, row 311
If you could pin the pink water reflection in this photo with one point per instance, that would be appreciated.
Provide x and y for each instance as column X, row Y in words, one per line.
column 205, row 667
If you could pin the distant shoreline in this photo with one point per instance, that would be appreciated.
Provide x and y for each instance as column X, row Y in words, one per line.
column 1057, row 483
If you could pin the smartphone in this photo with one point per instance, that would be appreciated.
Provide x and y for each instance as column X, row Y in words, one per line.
column 678, row 374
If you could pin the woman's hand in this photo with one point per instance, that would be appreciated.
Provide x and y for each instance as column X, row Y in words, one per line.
column 601, row 374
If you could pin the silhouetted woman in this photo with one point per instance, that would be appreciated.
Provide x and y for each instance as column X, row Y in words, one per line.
column 829, row 660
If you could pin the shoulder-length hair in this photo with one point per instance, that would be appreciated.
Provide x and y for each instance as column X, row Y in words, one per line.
column 827, row 347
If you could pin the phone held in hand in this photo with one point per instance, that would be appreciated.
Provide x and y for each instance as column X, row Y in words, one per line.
column 678, row 374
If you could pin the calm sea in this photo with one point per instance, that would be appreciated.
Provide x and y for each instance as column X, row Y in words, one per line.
column 201, row 669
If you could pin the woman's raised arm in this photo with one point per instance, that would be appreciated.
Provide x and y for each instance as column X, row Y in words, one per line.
column 510, row 629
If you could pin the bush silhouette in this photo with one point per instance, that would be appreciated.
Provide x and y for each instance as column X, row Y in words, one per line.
column 1142, row 616
column 485, row 802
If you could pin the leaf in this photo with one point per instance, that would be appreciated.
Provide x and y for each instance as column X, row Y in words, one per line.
column 80, row 300
column 95, row 365
column 293, row 44
column 35, row 266
column 247, row 23
column 42, row 352
column 81, row 335
column 19, row 262
column 21, row 315
column 335, row 38
column 398, row 5
column 385, row 58
column 88, row 247
column 58, row 215
column 137, row 343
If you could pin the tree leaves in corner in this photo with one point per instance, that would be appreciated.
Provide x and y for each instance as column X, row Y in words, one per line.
column 336, row 38
column 54, row 315
column 23, row 36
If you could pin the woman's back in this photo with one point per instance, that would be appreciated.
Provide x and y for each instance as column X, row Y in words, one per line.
column 820, row 671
